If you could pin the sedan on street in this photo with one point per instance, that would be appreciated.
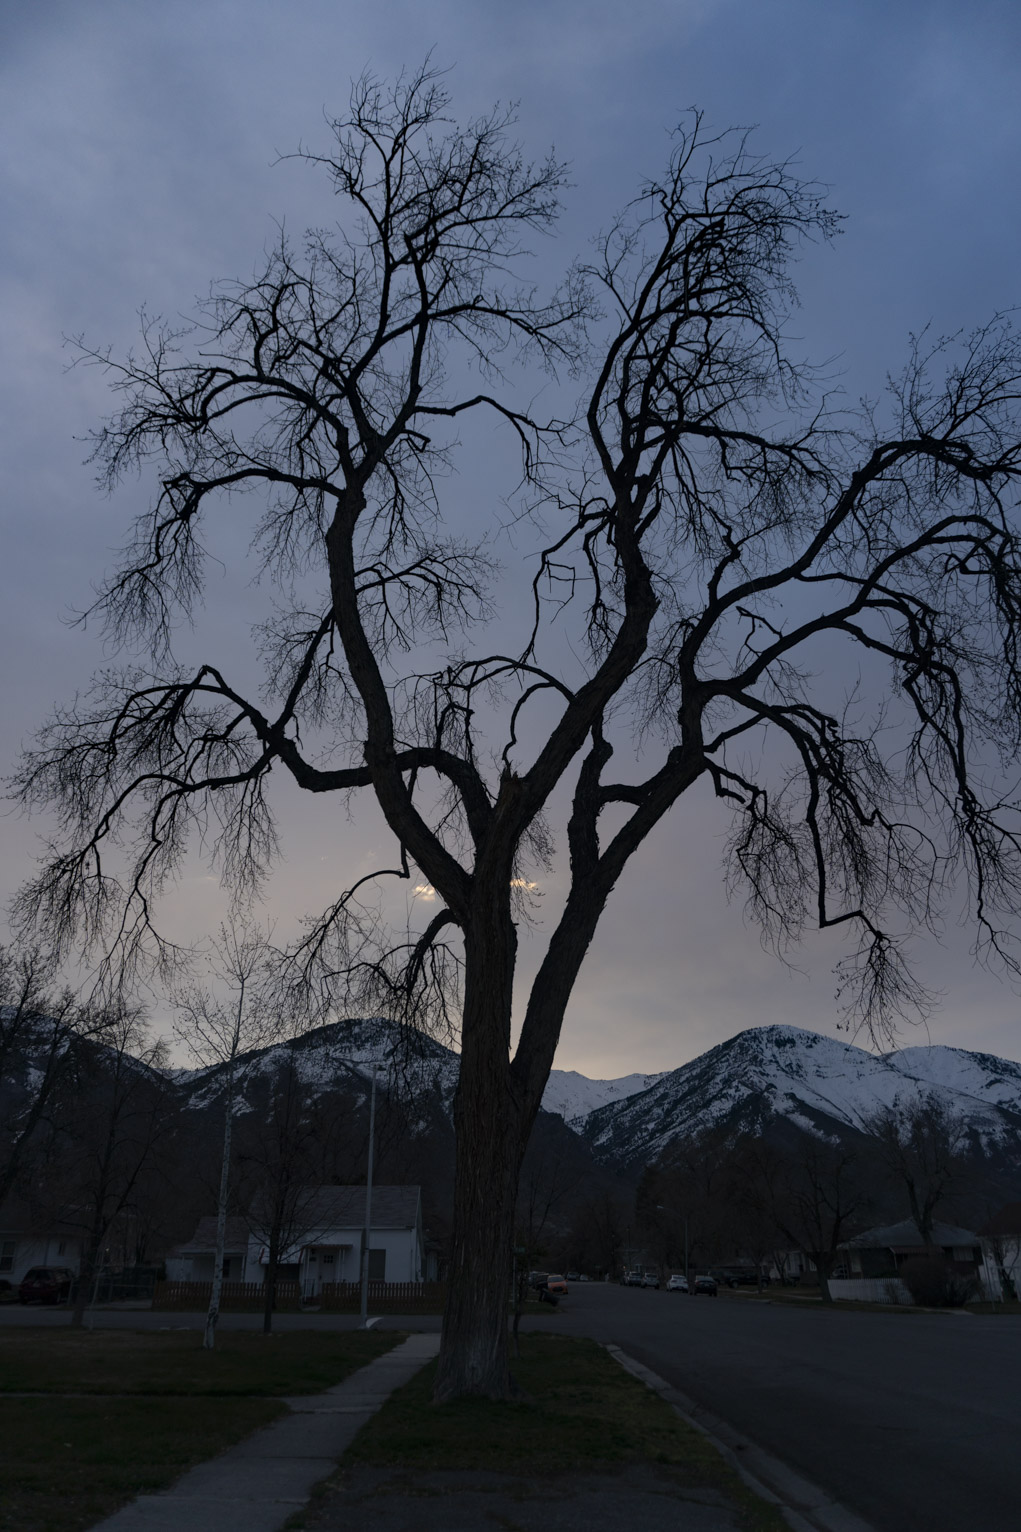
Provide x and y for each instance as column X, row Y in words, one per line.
column 46, row 1284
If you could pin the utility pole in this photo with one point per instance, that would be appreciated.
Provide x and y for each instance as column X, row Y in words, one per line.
column 367, row 1231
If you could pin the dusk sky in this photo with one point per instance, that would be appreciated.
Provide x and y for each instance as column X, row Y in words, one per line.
column 139, row 145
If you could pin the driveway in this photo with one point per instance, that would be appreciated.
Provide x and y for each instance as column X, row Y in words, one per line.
column 912, row 1420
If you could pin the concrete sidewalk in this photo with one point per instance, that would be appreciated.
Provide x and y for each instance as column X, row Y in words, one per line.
column 257, row 1485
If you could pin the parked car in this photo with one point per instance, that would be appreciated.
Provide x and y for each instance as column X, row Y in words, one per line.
column 46, row 1284
column 740, row 1276
column 632, row 1279
column 538, row 1279
column 677, row 1283
column 557, row 1283
column 707, row 1285
column 650, row 1279
column 573, row 1276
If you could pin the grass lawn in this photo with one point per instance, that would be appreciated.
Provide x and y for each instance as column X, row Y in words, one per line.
column 581, row 1411
column 173, row 1362
column 65, row 1462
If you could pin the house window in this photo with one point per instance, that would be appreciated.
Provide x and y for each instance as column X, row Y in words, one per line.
column 7, row 1249
column 328, row 1257
column 62, row 1247
column 377, row 1265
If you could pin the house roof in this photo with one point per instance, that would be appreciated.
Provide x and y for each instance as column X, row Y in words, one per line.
column 898, row 1236
column 204, row 1237
column 343, row 1207
column 322, row 1208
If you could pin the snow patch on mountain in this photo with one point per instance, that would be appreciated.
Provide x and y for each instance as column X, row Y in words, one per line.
column 816, row 1082
column 574, row 1095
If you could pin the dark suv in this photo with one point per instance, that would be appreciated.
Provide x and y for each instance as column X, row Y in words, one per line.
column 46, row 1284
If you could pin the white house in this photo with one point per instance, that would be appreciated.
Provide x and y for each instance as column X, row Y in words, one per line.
column 872, row 1260
column 327, row 1248
column 26, row 1242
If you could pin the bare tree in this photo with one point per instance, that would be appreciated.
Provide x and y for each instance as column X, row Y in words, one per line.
column 698, row 536
column 818, row 1202
column 110, row 1126
column 221, row 1026
column 755, row 1173
column 41, row 1023
column 922, row 1147
column 280, row 1159
column 682, row 1203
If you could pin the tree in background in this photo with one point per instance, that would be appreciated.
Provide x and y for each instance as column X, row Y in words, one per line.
column 819, row 1203
column 117, row 1112
column 281, row 1149
column 597, row 1234
column 682, row 1204
column 922, row 1146
column 707, row 551
column 221, row 1026
column 755, row 1175
column 41, row 1023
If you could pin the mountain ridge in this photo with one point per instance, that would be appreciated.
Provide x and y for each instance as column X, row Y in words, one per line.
column 819, row 1084
column 811, row 1082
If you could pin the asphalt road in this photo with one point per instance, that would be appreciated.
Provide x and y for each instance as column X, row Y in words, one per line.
column 911, row 1420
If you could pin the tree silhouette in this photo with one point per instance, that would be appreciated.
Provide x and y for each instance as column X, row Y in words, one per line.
column 699, row 537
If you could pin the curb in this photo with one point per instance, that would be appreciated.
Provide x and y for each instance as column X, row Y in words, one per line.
column 805, row 1506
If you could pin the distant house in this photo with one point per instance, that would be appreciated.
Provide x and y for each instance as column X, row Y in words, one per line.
column 872, row 1260
column 328, row 1248
column 192, row 1261
column 27, row 1241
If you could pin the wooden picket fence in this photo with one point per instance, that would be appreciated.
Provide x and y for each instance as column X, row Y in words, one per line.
column 384, row 1297
column 235, row 1297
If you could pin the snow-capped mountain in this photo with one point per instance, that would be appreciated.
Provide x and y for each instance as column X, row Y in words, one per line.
column 340, row 1055
column 344, row 1053
column 765, row 1079
column 575, row 1096
column 811, row 1082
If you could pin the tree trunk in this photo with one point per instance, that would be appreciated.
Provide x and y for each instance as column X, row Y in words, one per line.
column 87, row 1272
column 491, row 1132
column 823, row 1266
column 270, row 1282
column 213, row 1314
column 474, row 1352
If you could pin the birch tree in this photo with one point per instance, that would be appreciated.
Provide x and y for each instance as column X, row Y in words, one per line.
column 221, row 1024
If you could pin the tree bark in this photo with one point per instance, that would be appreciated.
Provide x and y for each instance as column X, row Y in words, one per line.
column 87, row 1272
column 213, row 1314
column 491, row 1131
column 824, row 1266
column 270, row 1282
